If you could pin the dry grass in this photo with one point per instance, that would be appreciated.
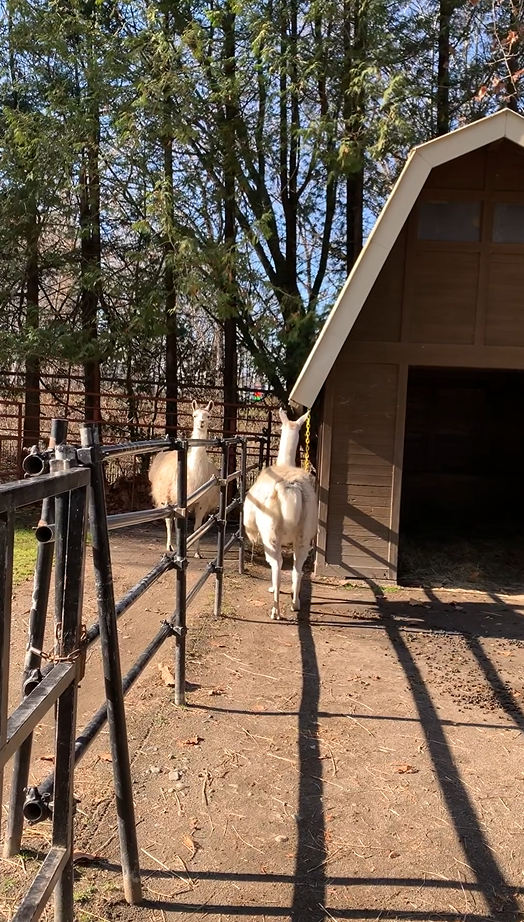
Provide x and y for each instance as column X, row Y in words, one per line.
column 460, row 563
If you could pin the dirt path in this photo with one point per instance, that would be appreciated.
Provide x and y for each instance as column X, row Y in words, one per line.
column 365, row 762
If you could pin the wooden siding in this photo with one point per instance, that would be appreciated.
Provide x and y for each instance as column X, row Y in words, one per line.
column 504, row 325
column 509, row 168
column 361, row 478
column 467, row 172
column 444, row 297
column 374, row 323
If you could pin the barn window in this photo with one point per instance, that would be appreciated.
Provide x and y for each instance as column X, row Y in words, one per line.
column 449, row 221
column 508, row 223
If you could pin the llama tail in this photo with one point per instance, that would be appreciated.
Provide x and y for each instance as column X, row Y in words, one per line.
column 290, row 496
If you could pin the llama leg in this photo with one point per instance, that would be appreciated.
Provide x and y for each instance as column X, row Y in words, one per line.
column 274, row 559
column 199, row 515
column 299, row 558
column 169, row 529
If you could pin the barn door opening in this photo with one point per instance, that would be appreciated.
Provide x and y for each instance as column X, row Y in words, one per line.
column 462, row 506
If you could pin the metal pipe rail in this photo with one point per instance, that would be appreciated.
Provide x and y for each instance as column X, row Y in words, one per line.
column 45, row 532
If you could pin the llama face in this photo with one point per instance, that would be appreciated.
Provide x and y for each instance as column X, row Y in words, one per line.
column 201, row 418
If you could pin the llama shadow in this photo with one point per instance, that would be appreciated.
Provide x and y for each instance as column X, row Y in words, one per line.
column 309, row 890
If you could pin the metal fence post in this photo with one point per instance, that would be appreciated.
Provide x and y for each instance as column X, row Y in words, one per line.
column 268, row 442
column 243, row 491
column 179, row 627
column 31, row 676
column 68, row 646
column 221, row 537
column 112, row 669
column 33, row 659
column 7, row 531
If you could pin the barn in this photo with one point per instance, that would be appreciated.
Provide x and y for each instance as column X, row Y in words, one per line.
column 419, row 369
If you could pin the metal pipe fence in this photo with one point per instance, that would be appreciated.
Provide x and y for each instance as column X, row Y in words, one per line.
column 56, row 521
column 68, row 489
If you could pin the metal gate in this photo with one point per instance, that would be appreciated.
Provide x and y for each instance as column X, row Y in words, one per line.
column 53, row 533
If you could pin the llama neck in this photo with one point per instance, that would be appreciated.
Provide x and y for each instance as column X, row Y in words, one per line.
column 287, row 450
column 198, row 434
column 198, row 453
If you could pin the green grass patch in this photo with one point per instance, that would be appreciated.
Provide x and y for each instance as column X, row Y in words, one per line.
column 25, row 554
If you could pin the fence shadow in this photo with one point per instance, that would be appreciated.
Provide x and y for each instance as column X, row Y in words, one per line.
column 497, row 892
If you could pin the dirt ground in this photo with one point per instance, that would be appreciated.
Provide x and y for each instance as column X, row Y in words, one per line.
column 362, row 762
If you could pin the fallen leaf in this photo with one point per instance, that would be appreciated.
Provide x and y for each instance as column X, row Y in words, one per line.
column 394, row 855
column 216, row 691
column 105, row 757
column 188, row 842
column 46, row 759
column 406, row 770
column 166, row 675
column 80, row 857
column 257, row 603
column 259, row 707
column 506, row 652
column 191, row 741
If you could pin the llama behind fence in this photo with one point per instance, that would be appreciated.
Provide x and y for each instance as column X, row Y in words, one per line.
column 281, row 507
column 163, row 476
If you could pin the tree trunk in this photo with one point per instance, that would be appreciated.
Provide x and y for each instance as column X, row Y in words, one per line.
column 354, row 216
column 444, row 43
column 32, row 363
column 354, row 112
column 170, row 274
column 514, row 44
column 91, row 267
column 230, row 379
column 171, row 358
column 291, row 301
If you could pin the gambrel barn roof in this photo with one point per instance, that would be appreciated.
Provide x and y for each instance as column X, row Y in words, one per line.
column 422, row 159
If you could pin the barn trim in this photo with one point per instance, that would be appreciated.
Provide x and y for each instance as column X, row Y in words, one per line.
column 424, row 158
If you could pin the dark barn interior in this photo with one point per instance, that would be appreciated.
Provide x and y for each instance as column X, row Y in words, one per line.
column 463, row 473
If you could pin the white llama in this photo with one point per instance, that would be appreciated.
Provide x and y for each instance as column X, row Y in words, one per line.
column 281, row 507
column 163, row 476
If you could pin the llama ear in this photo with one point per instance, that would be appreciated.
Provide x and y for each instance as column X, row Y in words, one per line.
column 301, row 420
column 194, row 405
column 283, row 416
column 210, row 406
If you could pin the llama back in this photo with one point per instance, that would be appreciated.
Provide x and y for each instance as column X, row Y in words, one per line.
column 298, row 506
column 286, row 496
column 291, row 502
column 162, row 477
